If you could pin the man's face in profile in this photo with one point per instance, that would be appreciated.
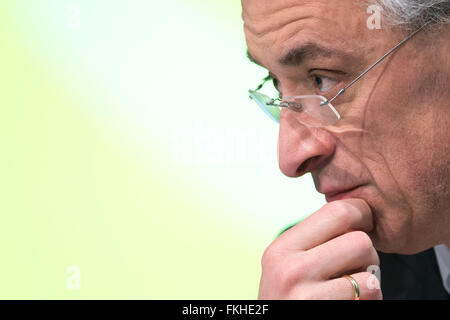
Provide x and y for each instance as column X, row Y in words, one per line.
column 391, row 146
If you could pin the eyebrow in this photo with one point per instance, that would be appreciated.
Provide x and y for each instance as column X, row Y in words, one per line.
column 250, row 57
column 307, row 51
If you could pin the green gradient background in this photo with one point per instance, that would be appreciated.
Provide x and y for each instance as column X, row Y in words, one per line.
column 86, row 134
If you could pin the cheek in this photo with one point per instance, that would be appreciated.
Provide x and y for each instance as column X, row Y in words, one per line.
column 427, row 163
column 394, row 144
column 408, row 143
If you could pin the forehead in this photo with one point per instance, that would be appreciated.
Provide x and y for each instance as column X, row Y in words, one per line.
column 273, row 28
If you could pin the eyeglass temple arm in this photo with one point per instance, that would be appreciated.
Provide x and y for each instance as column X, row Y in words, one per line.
column 377, row 62
column 267, row 78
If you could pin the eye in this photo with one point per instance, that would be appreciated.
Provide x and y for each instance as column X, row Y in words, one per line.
column 324, row 84
column 276, row 84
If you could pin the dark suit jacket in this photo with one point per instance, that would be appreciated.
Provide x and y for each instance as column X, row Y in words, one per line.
column 411, row 276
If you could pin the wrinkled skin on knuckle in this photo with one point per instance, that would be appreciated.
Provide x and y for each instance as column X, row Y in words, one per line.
column 283, row 275
column 349, row 213
column 288, row 277
column 276, row 282
column 270, row 255
column 361, row 241
column 342, row 217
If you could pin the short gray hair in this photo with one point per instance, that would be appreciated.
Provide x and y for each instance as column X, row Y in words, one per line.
column 414, row 13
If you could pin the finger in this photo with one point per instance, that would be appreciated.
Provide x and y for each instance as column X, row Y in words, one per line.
column 342, row 289
column 352, row 251
column 332, row 220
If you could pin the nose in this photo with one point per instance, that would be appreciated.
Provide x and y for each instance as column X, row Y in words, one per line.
column 302, row 149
